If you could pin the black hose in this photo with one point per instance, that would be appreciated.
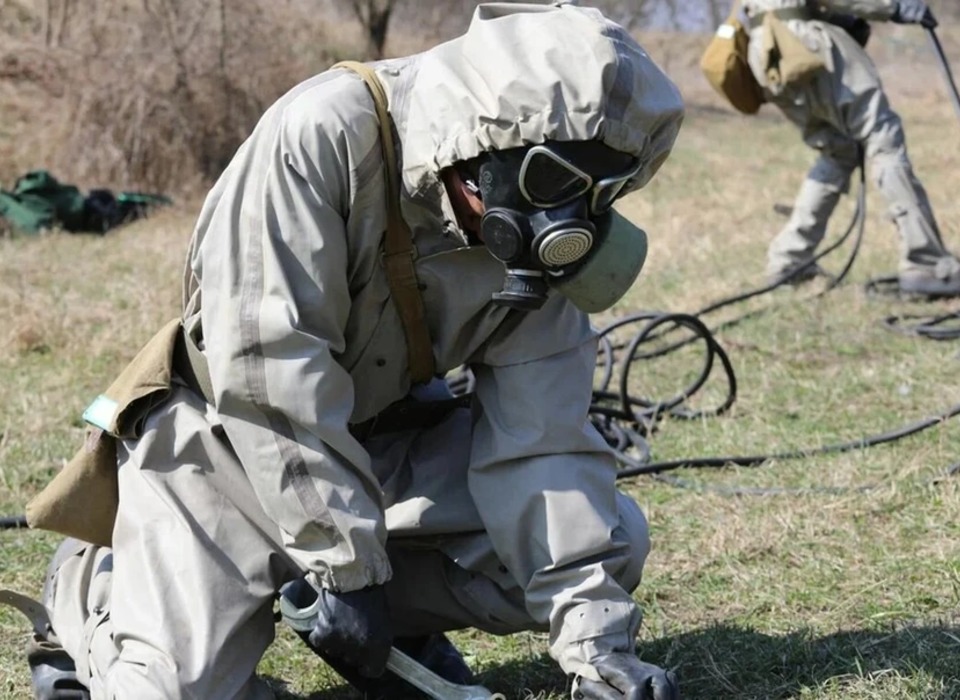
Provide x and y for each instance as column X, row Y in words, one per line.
column 636, row 469
column 625, row 420
column 857, row 223
column 952, row 91
column 943, row 327
column 13, row 522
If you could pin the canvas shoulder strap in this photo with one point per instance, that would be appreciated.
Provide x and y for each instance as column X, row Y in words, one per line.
column 398, row 243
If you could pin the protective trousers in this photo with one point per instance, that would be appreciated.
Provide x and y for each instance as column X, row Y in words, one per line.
column 182, row 605
column 842, row 111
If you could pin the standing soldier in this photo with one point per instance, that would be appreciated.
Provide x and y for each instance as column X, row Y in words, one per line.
column 844, row 114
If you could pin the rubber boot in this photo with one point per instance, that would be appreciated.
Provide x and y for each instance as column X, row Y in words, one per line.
column 939, row 282
column 798, row 275
column 53, row 673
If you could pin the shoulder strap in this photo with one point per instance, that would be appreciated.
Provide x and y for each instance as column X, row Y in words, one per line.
column 398, row 243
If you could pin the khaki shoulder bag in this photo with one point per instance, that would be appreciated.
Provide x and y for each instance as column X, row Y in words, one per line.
column 81, row 501
column 725, row 66
column 787, row 60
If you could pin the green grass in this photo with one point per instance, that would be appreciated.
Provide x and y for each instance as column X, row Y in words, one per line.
column 845, row 595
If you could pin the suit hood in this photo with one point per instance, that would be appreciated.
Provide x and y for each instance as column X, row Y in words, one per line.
column 523, row 74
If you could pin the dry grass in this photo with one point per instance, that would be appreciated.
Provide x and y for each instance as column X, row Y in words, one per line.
column 840, row 596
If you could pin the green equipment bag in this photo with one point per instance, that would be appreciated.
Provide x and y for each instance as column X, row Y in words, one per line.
column 724, row 65
column 39, row 201
column 23, row 216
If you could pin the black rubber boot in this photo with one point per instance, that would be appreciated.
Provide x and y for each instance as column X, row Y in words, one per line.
column 53, row 673
column 434, row 651
column 930, row 285
column 797, row 275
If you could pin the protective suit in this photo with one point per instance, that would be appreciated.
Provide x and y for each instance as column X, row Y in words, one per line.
column 840, row 111
column 505, row 515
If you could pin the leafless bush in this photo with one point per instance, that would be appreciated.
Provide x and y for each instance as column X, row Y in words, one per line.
column 147, row 93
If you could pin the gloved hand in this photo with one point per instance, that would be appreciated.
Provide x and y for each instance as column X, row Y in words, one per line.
column 352, row 626
column 914, row 12
column 625, row 677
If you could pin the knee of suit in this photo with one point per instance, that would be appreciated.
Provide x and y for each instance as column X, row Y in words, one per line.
column 135, row 679
column 69, row 548
column 634, row 534
column 892, row 167
column 831, row 175
column 886, row 141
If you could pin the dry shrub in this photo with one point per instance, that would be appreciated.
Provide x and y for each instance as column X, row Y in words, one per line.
column 149, row 94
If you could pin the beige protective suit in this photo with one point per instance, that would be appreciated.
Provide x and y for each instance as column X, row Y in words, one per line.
column 505, row 516
column 841, row 110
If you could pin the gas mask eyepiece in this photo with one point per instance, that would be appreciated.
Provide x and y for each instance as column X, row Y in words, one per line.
column 542, row 204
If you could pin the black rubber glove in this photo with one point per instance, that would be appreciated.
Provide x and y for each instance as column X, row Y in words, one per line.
column 914, row 12
column 625, row 677
column 353, row 627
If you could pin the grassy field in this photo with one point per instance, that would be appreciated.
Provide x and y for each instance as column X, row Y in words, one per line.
column 834, row 593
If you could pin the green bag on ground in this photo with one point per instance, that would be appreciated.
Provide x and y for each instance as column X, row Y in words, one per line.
column 39, row 201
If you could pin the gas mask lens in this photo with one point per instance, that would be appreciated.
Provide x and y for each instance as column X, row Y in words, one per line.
column 549, row 180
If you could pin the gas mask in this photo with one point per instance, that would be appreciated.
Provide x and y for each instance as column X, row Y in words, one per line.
column 548, row 218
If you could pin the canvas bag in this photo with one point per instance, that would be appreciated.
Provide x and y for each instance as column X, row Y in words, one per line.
column 81, row 501
column 787, row 60
column 725, row 66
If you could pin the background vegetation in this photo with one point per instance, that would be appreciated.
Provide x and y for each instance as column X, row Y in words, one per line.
column 845, row 587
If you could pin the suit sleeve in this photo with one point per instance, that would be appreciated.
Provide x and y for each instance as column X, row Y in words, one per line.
column 275, row 301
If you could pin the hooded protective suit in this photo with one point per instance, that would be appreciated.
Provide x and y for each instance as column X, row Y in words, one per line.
column 842, row 110
column 503, row 517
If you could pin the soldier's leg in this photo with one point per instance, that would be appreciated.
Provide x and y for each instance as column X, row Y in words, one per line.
column 462, row 584
column 446, row 574
column 182, row 604
column 827, row 180
column 922, row 251
column 866, row 115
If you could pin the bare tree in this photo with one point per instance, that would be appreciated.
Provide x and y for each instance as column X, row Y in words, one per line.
column 374, row 17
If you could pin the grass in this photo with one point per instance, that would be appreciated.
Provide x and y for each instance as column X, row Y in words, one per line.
column 849, row 594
